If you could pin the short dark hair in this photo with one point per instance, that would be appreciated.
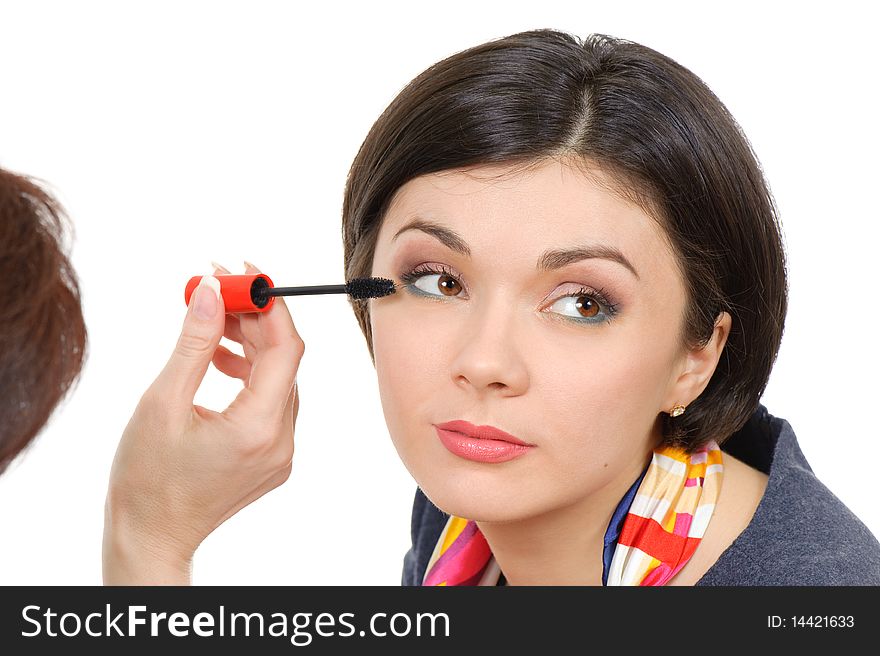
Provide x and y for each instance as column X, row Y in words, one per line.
column 41, row 322
column 649, row 124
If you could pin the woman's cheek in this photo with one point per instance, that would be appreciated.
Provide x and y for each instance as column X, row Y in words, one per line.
column 405, row 390
column 596, row 416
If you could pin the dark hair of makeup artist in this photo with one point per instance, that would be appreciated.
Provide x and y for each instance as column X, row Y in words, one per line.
column 42, row 333
column 651, row 126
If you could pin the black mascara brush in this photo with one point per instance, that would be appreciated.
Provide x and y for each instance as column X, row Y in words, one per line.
column 357, row 288
column 255, row 292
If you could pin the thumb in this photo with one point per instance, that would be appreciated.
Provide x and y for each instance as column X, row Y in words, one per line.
column 202, row 330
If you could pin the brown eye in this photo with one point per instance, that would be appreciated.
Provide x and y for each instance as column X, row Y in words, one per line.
column 428, row 281
column 449, row 285
column 592, row 307
column 586, row 307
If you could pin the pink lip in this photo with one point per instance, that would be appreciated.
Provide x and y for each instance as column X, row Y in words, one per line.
column 482, row 432
column 480, row 443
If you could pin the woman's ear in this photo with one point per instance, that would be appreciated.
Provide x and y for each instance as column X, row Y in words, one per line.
column 699, row 365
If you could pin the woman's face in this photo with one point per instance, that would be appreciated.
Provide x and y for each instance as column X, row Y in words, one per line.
column 523, row 340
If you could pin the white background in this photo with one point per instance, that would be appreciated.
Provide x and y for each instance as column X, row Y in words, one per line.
column 176, row 133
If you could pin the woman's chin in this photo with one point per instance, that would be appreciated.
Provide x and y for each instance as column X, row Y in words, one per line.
column 475, row 504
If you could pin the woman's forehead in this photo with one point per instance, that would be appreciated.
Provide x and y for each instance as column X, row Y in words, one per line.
column 552, row 206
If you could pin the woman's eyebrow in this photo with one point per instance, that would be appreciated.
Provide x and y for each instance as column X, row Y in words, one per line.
column 549, row 261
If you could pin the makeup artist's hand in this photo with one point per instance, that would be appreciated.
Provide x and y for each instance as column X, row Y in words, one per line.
column 180, row 469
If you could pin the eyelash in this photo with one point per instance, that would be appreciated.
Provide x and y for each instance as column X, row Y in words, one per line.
column 610, row 309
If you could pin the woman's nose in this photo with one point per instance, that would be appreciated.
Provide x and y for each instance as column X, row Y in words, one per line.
column 490, row 352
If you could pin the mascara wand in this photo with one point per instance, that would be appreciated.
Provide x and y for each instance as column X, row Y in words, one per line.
column 255, row 292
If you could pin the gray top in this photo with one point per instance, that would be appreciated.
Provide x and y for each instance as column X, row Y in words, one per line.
column 800, row 534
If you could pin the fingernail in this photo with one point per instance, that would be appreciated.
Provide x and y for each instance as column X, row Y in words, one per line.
column 207, row 295
column 220, row 266
column 248, row 265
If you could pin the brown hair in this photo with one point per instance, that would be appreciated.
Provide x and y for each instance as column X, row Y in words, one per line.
column 655, row 129
column 42, row 333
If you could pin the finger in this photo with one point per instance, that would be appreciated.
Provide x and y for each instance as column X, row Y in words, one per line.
column 233, row 332
column 202, row 328
column 279, row 327
column 231, row 364
column 249, row 329
column 276, row 363
column 232, row 329
column 279, row 350
column 278, row 354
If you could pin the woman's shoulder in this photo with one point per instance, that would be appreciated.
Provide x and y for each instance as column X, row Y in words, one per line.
column 801, row 532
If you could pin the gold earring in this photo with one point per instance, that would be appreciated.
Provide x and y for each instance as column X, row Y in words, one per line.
column 678, row 409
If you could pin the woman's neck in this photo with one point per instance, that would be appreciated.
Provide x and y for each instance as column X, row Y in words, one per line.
column 563, row 546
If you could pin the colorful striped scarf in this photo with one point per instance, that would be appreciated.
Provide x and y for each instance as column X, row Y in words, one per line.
column 652, row 534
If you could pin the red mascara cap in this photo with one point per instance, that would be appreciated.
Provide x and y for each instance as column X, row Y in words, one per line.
column 241, row 293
